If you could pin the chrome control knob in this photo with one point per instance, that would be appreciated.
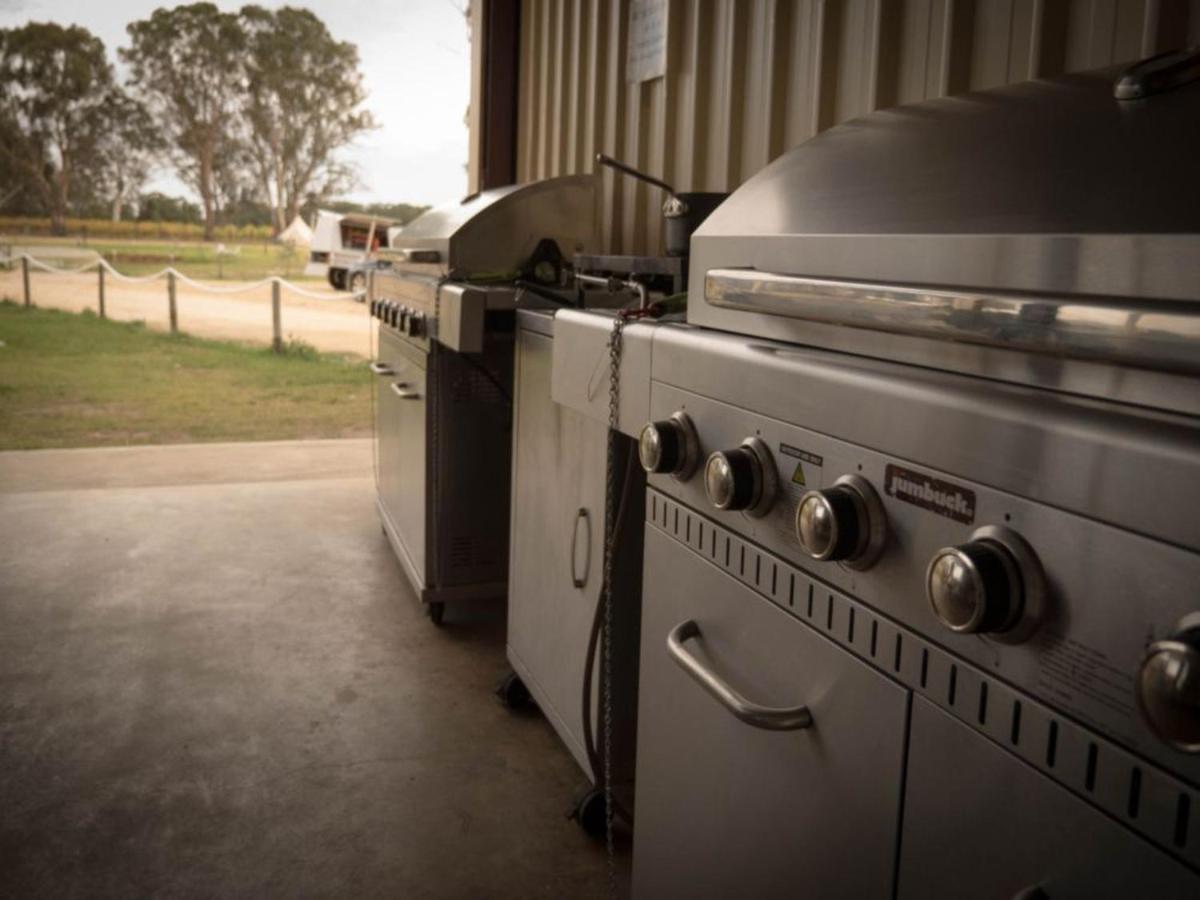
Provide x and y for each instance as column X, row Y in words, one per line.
column 1168, row 686
column 670, row 446
column 742, row 478
column 845, row 522
column 981, row 586
column 416, row 324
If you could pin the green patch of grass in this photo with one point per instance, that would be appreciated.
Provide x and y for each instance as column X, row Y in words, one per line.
column 75, row 380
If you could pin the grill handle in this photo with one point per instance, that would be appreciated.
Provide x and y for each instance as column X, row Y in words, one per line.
column 379, row 368
column 585, row 517
column 765, row 717
column 400, row 389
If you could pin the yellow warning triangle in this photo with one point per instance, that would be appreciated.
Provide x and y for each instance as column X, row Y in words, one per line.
column 798, row 475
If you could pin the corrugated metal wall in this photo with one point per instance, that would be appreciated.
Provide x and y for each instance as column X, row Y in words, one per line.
column 747, row 79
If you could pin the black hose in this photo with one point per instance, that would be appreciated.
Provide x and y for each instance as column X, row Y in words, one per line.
column 589, row 737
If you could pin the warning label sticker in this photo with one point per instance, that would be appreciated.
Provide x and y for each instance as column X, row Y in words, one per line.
column 942, row 497
column 803, row 455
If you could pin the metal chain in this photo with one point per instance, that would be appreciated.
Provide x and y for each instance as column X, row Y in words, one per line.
column 615, row 347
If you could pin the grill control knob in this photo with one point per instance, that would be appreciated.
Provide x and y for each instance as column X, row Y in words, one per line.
column 1168, row 686
column 742, row 478
column 670, row 446
column 389, row 312
column 416, row 324
column 845, row 522
column 986, row 584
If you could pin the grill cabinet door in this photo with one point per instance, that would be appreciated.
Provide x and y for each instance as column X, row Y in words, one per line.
column 406, row 498
column 557, row 541
column 725, row 809
column 979, row 823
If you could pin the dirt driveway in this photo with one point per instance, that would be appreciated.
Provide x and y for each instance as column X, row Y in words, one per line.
column 335, row 323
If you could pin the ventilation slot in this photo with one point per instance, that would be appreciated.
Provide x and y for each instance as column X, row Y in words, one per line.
column 742, row 562
column 829, row 615
column 1052, row 745
column 1182, row 809
column 1014, row 735
column 1135, row 792
column 874, row 637
column 687, row 539
column 899, row 645
column 757, row 570
column 1089, row 780
column 953, row 683
column 983, row 703
column 924, row 660
column 727, row 553
column 774, row 579
column 810, row 601
column 677, row 520
column 792, row 591
column 850, row 628
column 713, row 549
column 653, row 508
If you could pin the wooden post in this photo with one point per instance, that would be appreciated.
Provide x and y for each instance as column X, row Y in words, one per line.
column 171, row 303
column 276, row 319
column 100, row 273
column 25, row 279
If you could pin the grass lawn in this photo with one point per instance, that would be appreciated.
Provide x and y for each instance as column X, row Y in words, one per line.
column 240, row 261
column 75, row 380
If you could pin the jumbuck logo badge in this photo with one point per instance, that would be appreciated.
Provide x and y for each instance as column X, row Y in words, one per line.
column 942, row 497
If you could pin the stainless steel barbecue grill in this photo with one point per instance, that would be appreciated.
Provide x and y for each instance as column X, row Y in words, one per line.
column 924, row 621
column 446, row 307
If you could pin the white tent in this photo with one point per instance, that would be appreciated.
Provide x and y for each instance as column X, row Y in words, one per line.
column 296, row 233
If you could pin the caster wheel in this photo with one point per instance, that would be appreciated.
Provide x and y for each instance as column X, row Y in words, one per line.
column 512, row 691
column 588, row 812
column 437, row 611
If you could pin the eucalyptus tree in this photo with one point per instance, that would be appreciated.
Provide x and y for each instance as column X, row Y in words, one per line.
column 187, row 64
column 302, row 104
column 58, row 105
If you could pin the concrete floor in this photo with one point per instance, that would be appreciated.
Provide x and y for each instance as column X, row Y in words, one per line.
column 215, row 681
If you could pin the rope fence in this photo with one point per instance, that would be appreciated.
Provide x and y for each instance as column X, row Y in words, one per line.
column 173, row 276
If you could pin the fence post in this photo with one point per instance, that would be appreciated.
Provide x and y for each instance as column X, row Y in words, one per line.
column 100, row 272
column 25, row 279
column 276, row 323
column 171, row 303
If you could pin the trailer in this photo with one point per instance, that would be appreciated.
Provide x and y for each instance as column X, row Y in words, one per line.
column 342, row 245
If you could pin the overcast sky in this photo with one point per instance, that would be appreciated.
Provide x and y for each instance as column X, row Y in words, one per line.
column 416, row 63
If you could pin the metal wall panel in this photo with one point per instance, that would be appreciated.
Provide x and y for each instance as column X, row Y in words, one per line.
column 747, row 79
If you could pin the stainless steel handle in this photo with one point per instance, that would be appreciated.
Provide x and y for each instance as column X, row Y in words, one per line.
column 1125, row 332
column 379, row 368
column 400, row 389
column 766, row 717
column 582, row 516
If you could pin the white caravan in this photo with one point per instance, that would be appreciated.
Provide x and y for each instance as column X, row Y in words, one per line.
column 342, row 244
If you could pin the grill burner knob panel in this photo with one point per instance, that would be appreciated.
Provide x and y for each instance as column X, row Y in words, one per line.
column 985, row 585
column 1168, row 686
column 670, row 446
column 845, row 522
column 742, row 478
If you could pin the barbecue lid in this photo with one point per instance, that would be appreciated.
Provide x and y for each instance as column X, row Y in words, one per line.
column 491, row 235
column 1046, row 186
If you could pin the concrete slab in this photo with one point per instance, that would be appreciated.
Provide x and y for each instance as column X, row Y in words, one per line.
column 217, row 683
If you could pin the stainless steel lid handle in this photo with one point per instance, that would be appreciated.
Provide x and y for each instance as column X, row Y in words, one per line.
column 379, row 368
column 766, row 717
column 582, row 516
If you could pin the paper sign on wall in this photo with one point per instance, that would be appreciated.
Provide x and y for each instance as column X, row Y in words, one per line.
column 647, row 40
